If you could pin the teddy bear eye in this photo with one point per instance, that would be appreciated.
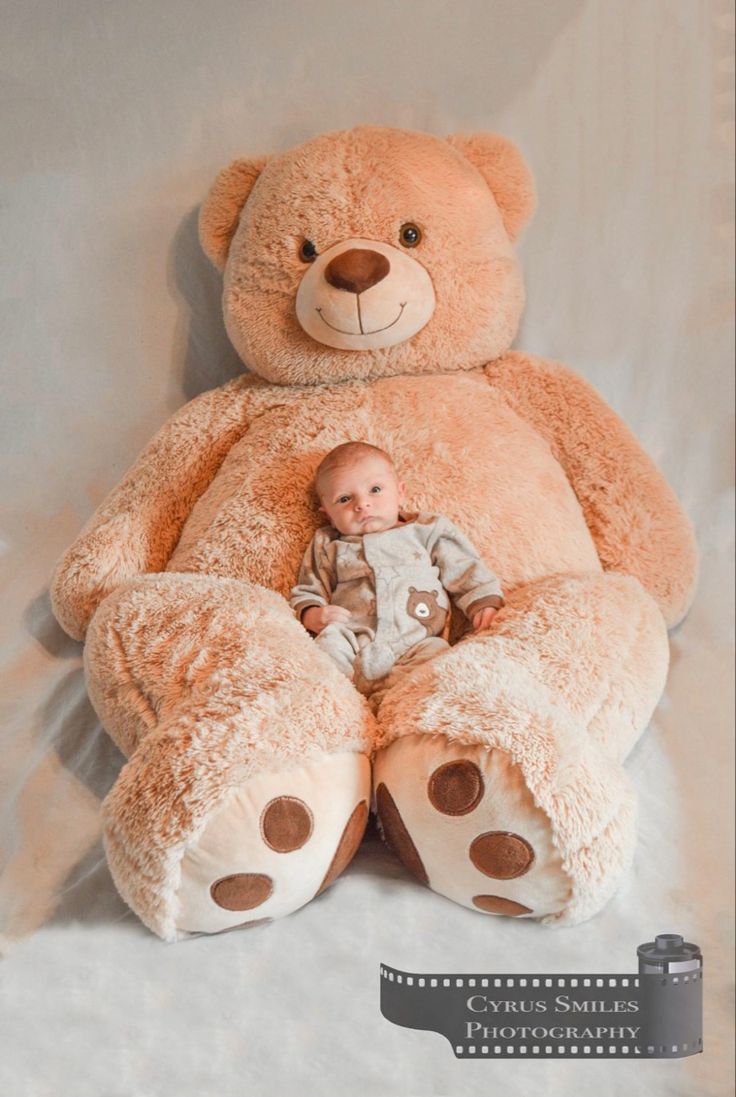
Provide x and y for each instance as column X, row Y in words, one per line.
column 308, row 251
column 410, row 234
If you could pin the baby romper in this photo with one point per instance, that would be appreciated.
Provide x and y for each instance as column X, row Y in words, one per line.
column 395, row 583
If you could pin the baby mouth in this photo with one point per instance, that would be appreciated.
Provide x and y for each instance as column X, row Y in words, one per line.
column 373, row 331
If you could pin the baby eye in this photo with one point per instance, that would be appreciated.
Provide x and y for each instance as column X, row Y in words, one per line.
column 343, row 499
column 376, row 488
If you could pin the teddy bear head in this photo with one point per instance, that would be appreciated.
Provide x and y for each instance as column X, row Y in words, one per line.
column 370, row 252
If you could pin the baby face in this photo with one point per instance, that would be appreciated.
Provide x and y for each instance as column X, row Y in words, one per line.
column 363, row 496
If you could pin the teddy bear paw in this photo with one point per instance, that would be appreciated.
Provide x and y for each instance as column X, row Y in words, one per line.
column 278, row 841
column 462, row 820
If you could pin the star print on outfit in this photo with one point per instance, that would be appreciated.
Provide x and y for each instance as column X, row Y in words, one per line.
column 396, row 584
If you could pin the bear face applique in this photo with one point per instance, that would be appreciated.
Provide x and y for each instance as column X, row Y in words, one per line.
column 422, row 605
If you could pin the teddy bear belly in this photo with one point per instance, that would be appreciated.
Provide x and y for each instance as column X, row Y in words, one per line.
column 461, row 450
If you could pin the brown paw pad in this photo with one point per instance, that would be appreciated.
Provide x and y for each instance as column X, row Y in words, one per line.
column 397, row 835
column 500, row 854
column 286, row 824
column 348, row 844
column 455, row 788
column 242, row 890
column 496, row 904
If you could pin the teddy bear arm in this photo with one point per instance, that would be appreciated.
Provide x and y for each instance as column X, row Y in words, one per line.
column 136, row 528
column 634, row 517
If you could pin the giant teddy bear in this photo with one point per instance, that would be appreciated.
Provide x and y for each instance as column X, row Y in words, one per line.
column 372, row 291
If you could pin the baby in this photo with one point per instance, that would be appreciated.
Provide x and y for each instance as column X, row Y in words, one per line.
column 373, row 586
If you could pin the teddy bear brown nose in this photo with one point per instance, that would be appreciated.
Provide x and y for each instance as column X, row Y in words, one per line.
column 357, row 269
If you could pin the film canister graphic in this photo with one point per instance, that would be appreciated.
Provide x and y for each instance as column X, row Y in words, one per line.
column 655, row 1013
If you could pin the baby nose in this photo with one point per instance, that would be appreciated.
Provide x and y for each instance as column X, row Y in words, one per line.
column 357, row 269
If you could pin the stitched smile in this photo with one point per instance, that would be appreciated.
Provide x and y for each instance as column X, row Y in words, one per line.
column 362, row 331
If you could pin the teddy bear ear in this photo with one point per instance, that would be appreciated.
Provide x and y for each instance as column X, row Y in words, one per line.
column 505, row 171
column 220, row 211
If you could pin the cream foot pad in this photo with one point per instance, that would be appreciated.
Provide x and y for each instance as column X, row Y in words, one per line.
column 463, row 821
column 284, row 837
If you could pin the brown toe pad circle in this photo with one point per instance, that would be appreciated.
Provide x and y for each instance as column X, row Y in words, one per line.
column 455, row 788
column 286, row 824
column 396, row 834
column 501, row 854
column 242, row 890
column 496, row 904
column 348, row 844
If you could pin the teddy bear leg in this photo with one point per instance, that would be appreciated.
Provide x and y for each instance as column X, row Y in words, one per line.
column 500, row 783
column 247, row 787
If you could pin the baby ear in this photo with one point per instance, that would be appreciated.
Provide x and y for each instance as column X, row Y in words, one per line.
column 220, row 211
column 506, row 172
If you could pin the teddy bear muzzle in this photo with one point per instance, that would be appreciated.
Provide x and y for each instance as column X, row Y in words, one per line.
column 364, row 295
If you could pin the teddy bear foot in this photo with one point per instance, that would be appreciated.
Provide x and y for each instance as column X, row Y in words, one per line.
column 247, row 785
column 525, row 800
column 462, row 820
column 278, row 841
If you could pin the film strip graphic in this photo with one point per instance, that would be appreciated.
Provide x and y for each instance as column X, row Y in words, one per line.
column 655, row 1014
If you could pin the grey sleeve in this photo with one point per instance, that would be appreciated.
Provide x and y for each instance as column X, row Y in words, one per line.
column 316, row 580
column 471, row 583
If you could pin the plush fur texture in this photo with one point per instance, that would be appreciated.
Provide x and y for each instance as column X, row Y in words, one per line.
column 512, row 690
column 204, row 683
column 194, row 662
column 136, row 528
column 220, row 213
column 632, row 513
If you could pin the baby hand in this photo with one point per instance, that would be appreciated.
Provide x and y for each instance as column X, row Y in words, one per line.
column 318, row 617
column 482, row 619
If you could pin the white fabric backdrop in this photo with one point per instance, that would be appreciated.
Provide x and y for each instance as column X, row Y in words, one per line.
column 115, row 119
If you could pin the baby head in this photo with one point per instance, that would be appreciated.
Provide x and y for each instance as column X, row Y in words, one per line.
column 358, row 488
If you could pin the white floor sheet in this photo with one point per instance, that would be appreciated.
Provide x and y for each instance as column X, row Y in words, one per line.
column 115, row 119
